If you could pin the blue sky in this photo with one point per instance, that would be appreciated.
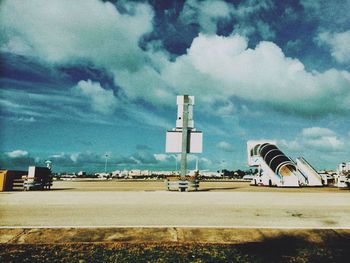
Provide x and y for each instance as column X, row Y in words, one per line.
column 81, row 79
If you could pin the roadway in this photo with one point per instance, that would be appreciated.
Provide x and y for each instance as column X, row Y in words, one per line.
column 70, row 205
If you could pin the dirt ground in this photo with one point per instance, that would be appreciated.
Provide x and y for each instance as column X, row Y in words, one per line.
column 193, row 245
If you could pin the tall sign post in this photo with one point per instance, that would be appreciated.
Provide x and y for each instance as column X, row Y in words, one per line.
column 184, row 139
column 185, row 135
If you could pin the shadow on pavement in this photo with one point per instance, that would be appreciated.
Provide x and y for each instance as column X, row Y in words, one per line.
column 217, row 189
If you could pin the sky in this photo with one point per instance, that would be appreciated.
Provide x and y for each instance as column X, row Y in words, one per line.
column 84, row 79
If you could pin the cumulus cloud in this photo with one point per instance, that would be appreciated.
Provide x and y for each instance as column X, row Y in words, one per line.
column 208, row 14
column 17, row 153
column 323, row 147
column 17, row 159
column 169, row 161
column 246, row 8
column 144, row 83
column 330, row 15
column 325, row 143
column 63, row 31
column 317, row 139
column 78, row 161
column 140, row 159
column 205, row 13
column 265, row 30
column 144, row 157
column 322, row 139
column 249, row 19
column 315, row 132
column 225, row 146
column 97, row 160
column 217, row 66
column 94, row 161
column 294, row 45
column 338, row 44
column 101, row 100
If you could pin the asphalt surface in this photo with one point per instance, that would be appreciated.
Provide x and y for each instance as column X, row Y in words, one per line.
column 71, row 205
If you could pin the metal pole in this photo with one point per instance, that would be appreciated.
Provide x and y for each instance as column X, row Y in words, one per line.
column 176, row 162
column 184, row 138
column 106, row 163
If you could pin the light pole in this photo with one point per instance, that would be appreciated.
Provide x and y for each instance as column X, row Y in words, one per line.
column 106, row 156
column 176, row 162
column 175, row 157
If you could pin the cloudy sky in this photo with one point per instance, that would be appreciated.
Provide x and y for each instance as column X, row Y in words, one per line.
column 85, row 78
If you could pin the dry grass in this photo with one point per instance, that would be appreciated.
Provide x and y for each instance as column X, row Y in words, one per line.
column 282, row 249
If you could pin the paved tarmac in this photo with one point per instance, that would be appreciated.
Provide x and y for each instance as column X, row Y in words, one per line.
column 276, row 208
column 92, row 185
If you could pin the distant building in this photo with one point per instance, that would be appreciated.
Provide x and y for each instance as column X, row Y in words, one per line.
column 81, row 174
column 211, row 174
column 116, row 174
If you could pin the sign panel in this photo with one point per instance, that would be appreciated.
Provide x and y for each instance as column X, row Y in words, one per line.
column 196, row 142
column 174, row 142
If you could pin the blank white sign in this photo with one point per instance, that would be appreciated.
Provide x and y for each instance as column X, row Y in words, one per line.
column 174, row 142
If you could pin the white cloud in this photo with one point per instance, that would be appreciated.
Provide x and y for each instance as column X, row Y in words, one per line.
column 205, row 13
column 332, row 15
column 249, row 21
column 246, row 8
column 17, row 159
column 293, row 146
column 169, row 160
column 217, row 67
column 137, row 160
column 322, row 139
column 17, row 153
column 147, row 117
column 145, row 83
column 30, row 107
column 314, row 132
column 325, row 143
column 294, row 45
column 317, row 139
column 23, row 119
column 161, row 157
column 101, row 100
column 17, row 46
column 225, row 146
column 265, row 30
column 226, row 109
column 64, row 31
column 68, row 33
column 339, row 44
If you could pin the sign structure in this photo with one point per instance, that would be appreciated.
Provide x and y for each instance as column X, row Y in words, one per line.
column 184, row 138
column 174, row 142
